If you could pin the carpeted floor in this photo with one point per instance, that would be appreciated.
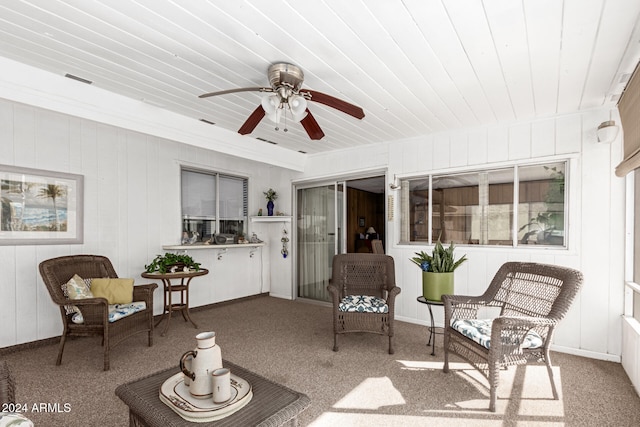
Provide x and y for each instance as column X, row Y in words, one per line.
column 361, row 385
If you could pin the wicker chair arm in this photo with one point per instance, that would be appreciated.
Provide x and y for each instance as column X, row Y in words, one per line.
column 509, row 332
column 95, row 311
column 393, row 292
column 144, row 292
column 335, row 294
column 391, row 299
column 7, row 384
column 466, row 299
column 506, row 322
column 462, row 306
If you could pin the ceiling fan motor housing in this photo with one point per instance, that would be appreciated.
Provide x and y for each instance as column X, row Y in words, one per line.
column 285, row 74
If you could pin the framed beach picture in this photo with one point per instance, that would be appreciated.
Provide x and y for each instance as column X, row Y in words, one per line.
column 40, row 207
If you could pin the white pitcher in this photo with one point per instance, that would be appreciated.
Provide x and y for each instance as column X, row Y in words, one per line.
column 207, row 357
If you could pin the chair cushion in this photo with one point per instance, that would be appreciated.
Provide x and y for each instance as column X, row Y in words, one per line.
column 116, row 291
column 363, row 304
column 479, row 330
column 116, row 311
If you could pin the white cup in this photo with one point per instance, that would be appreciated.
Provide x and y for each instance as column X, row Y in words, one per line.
column 221, row 382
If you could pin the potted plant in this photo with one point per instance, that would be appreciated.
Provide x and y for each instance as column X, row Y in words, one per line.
column 437, row 271
column 172, row 263
column 270, row 195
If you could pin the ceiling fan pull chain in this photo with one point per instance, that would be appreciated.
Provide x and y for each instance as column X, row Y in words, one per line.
column 285, row 119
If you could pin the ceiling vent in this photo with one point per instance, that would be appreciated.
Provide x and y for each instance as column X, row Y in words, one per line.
column 80, row 79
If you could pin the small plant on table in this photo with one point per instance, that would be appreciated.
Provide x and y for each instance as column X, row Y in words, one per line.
column 172, row 263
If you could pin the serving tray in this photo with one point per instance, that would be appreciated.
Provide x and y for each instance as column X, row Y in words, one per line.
column 175, row 394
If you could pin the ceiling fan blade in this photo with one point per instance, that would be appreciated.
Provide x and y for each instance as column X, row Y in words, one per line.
column 312, row 127
column 253, row 120
column 242, row 89
column 338, row 104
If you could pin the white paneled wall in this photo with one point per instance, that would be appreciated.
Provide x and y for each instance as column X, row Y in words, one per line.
column 596, row 229
column 131, row 209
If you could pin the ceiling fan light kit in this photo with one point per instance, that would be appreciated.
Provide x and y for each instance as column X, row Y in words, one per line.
column 285, row 96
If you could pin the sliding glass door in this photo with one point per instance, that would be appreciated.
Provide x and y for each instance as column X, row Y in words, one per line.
column 320, row 235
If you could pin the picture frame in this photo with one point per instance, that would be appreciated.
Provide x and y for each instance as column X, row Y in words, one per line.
column 361, row 221
column 40, row 207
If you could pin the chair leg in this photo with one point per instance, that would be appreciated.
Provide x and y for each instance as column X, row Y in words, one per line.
column 445, row 366
column 391, row 349
column 494, row 377
column 63, row 339
column 335, row 342
column 554, row 390
column 105, row 339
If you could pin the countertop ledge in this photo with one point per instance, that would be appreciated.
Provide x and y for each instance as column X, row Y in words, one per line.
column 198, row 247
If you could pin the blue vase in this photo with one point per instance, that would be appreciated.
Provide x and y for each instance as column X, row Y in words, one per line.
column 270, row 208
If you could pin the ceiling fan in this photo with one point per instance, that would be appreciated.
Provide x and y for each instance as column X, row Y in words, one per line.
column 287, row 97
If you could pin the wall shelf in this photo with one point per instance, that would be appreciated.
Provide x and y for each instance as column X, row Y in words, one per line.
column 275, row 218
column 193, row 247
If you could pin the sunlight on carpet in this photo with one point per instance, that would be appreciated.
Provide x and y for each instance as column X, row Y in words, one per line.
column 533, row 398
column 333, row 419
column 421, row 364
column 372, row 393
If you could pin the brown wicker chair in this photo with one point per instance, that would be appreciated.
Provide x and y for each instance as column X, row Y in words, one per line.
column 7, row 385
column 531, row 298
column 57, row 271
column 358, row 274
column 376, row 246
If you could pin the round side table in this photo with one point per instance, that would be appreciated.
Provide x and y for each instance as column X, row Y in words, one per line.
column 169, row 289
column 432, row 328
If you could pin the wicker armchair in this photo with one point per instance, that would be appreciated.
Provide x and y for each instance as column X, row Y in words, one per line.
column 532, row 299
column 57, row 271
column 376, row 246
column 7, row 385
column 369, row 275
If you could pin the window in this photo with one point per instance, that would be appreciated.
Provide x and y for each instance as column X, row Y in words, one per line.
column 486, row 208
column 212, row 203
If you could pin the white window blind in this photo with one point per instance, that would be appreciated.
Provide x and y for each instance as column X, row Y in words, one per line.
column 198, row 195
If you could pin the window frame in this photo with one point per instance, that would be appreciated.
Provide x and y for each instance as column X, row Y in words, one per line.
column 569, row 165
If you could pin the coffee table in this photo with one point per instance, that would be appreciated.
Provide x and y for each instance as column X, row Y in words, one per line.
column 272, row 404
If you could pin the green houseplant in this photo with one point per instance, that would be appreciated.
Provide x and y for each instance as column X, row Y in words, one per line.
column 171, row 263
column 437, row 270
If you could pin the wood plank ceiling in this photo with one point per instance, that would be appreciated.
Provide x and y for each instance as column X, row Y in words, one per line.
column 414, row 66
